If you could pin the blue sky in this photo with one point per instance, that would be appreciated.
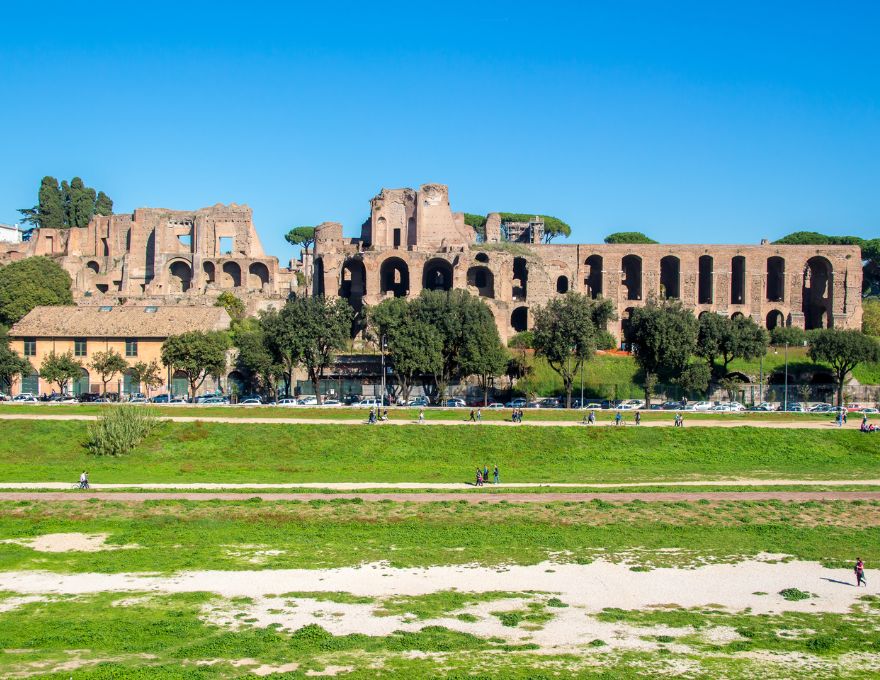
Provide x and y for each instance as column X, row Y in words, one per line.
column 690, row 121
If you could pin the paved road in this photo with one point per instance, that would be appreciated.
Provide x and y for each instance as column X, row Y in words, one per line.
column 854, row 423
column 789, row 496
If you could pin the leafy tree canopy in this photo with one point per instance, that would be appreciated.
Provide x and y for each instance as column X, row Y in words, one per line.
column 11, row 365
column 664, row 336
column 843, row 350
column 107, row 364
column 147, row 374
column 71, row 204
column 628, row 237
column 719, row 336
column 60, row 369
column 256, row 360
column 787, row 335
column 29, row 283
column 301, row 236
column 566, row 332
column 871, row 316
column 233, row 305
column 197, row 354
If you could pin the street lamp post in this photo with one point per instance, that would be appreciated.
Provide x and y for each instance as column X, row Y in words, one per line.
column 382, row 352
column 582, row 382
column 785, row 407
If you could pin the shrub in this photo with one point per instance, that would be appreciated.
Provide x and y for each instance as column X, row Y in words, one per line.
column 604, row 340
column 119, row 430
column 794, row 594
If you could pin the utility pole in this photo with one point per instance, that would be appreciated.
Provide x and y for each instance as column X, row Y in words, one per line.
column 582, row 382
column 382, row 351
column 785, row 399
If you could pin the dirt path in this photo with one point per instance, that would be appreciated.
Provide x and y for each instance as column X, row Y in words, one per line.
column 789, row 496
column 692, row 422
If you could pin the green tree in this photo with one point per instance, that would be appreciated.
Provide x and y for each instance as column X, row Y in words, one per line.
column 309, row 331
column 197, row 354
column 304, row 237
column 729, row 339
column 107, row 364
column 664, row 336
column 787, row 335
column 695, row 378
column 484, row 355
column 29, row 283
column 414, row 348
column 871, row 316
column 843, row 350
column 11, row 365
column 233, row 305
column 455, row 314
column 255, row 359
column 69, row 205
column 628, row 237
column 147, row 374
column 566, row 331
column 60, row 369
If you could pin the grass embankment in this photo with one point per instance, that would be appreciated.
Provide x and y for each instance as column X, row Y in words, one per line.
column 33, row 450
column 170, row 536
column 404, row 414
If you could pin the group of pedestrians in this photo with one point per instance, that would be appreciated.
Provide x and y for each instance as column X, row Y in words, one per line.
column 84, row 480
column 517, row 416
column 377, row 416
column 483, row 475
column 866, row 426
column 476, row 416
column 679, row 419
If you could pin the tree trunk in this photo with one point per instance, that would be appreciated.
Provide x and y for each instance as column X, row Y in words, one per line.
column 316, row 384
column 839, row 391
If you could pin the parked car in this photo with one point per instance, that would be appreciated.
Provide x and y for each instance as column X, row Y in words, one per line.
column 519, row 402
column 418, row 401
column 454, row 402
column 137, row 400
column 331, row 402
column 67, row 399
column 287, row 401
column 4, row 397
column 251, row 401
column 593, row 405
column 671, row 405
column 495, row 404
column 870, row 411
column 161, row 399
column 368, row 402
column 821, row 408
column 549, row 402
column 736, row 406
column 854, row 408
column 764, row 406
column 25, row 398
column 702, row 406
column 309, row 400
column 793, row 408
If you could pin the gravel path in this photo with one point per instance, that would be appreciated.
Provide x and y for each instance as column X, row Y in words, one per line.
column 139, row 497
column 693, row 422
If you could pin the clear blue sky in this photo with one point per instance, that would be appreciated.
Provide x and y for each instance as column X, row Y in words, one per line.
column 690, row 121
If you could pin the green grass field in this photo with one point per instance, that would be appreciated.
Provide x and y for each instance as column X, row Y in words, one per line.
column 33, row 450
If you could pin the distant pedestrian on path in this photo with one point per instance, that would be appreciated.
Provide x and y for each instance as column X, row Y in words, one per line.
column 479, row 477
column 638, row 418
column 592, row 419
column 840, row 419
column 495, row 474
column 479, row 416
column 472, row 419
column 84, row 480
column 485, row 473
column 860, row 573
column 617, row 419
column 421, row 416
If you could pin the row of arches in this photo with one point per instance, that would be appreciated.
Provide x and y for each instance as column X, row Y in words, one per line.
column 229, row 275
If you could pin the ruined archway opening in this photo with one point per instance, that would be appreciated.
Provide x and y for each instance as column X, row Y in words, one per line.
column 818, row 297
column 738, row 280
column 519, row 319
column 483, row 280
column 593, row 278
column 775, row 279
column 353, row 283
column 775, row 319
column 209, row 270
column 394, row 277
column 318, row 277
column 258, row 276
column 626, row 323
column 231, row 275
column 705, row 284
column 670, row 270
column 179, row 277
column 437, row 275
column 632, row 276
column 562, row 285
column 520, row 278
column 482, row 257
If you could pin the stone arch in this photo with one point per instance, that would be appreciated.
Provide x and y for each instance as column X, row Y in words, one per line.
column 394, row 277
column 81, row 385
column 775, row 319
column 94, row 267
column 210, row 271
column 738, row 280
column 437, row 274
column 520, row 278
column 593, row 278
column 482, row 257
column 235, row 382
column 179, row 276
column 631, row 267
column 318, row 277
column 231, row 275
column 481, row 278
column 670, row 277
column 519, row 319
column 353, row 282
column 562, row 285
column 258, row 275
column 818, row 293
column 705, row 283
column 775, row 279
column 737, row 315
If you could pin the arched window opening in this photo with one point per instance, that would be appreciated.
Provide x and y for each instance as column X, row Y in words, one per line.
column 775, row 319
column 775, row 279
column 738, row 280
column 632, row 276
column 519, row 319
column 231, row 275
column 562, row 285
column 437, row 275
column 180, row 277
column 520, row 278
column 318, row 277
column 483, row 280
column 258, row 276
column 706, row 287
column 209, row 271
column 394, row 277
column 593, row 277
column 670, row 269
column 818, row 294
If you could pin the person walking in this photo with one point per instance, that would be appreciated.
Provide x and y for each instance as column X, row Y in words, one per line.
column 479, row 477
column 592, row 419
column 479, row 415
column 617, row 419
column 84, row 480
column 638, row 418
column 860, row 573
column 421, row 416
column 485, row 473
column 840, row 419
column 496, row 474
column 472, row 419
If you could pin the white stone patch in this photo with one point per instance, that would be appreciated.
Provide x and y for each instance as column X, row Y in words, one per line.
column 72, row 542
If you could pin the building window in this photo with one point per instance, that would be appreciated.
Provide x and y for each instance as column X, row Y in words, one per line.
column 131, row 347
column 30, row 347
column 79, row 347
